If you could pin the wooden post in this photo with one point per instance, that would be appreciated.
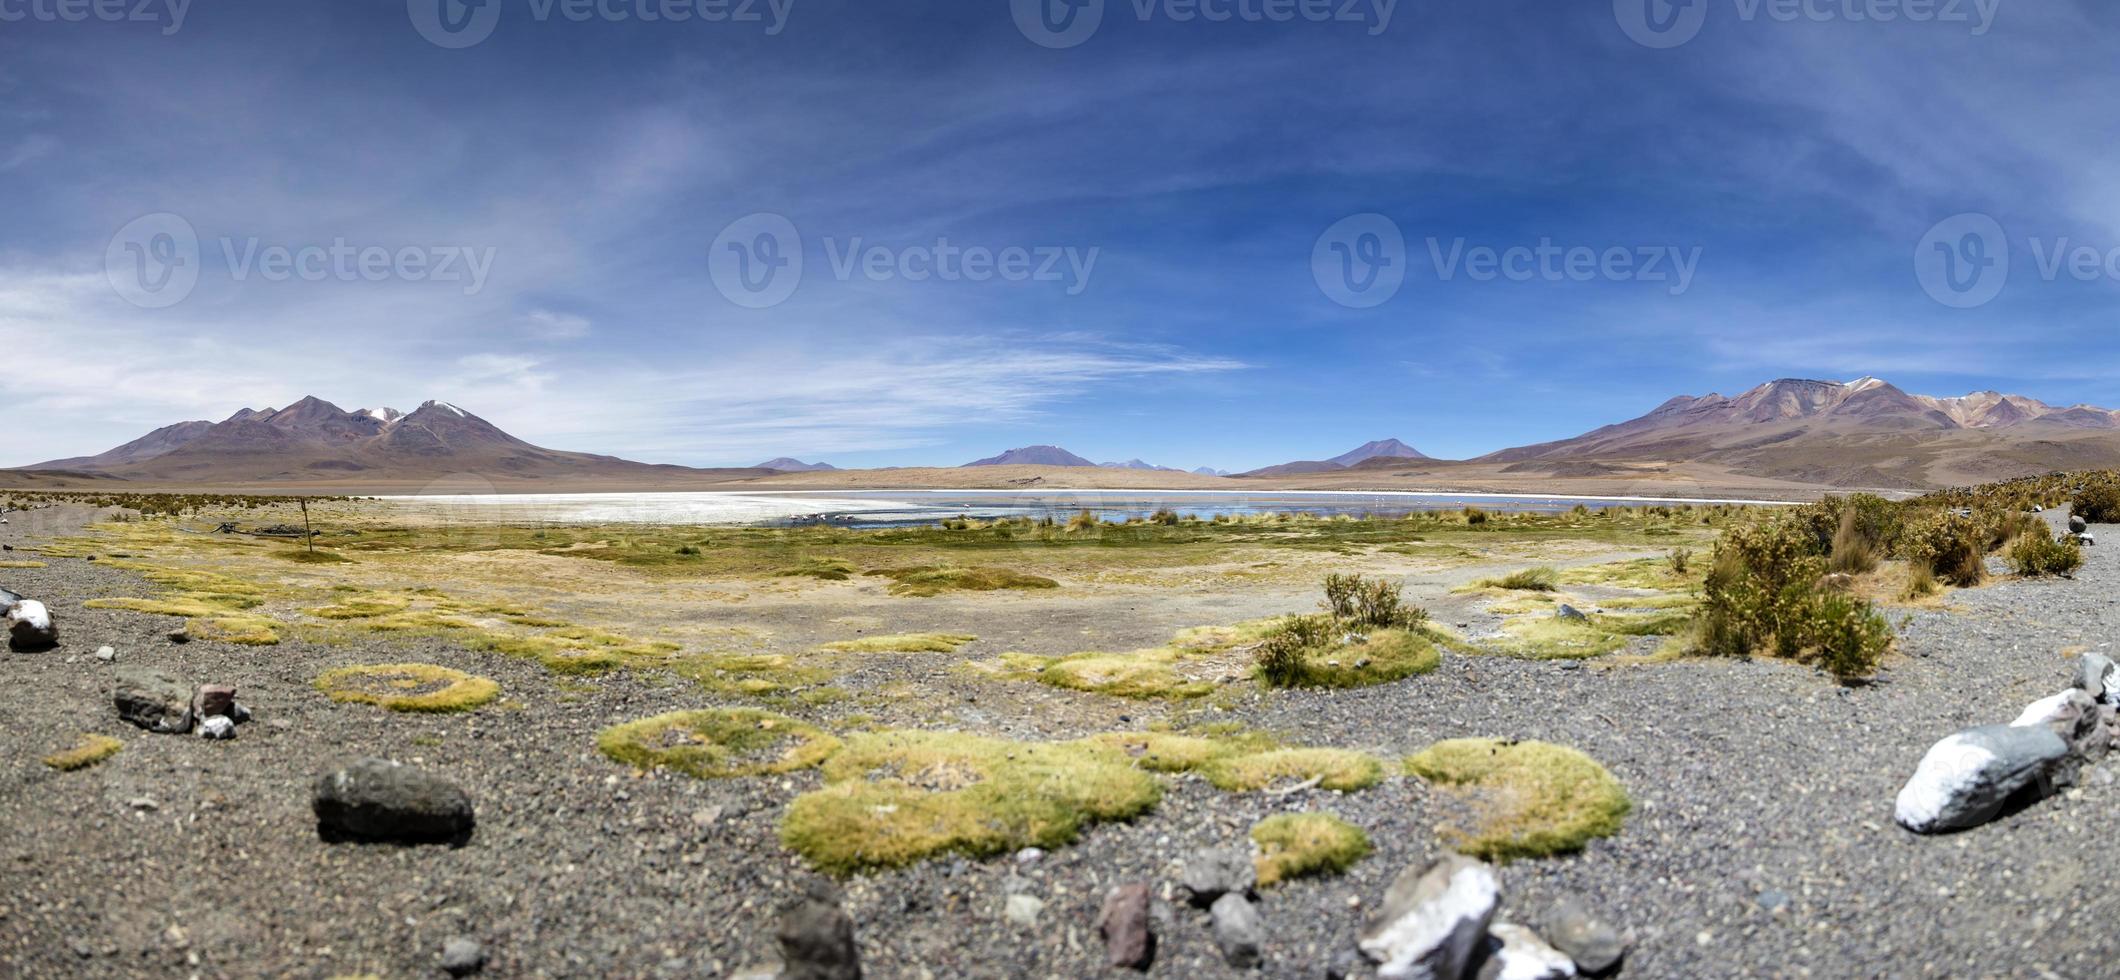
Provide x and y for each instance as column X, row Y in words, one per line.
column 309, row 537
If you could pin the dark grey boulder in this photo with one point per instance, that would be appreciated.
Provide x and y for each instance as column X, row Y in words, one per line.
column 2077, row 525
column 1967, row 779
column 153, row 700
column 380, row 801
column 817, row 940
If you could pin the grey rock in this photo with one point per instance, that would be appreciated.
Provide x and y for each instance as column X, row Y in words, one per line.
column 1022, row 911
column 218, row 728
column 1965, row 780
column 1238, row 931
column 180, row 635
column 106, row 654
column 1512, row 952
column 1596, row 947
column 462, row 956
column 817, row 941
column 1432, row 922
column 1129, row 940
column 1570, row 613
column 240, row 715
column 2077, row 525
column 381, row 801
column 29, row 627
column 1215, row 872
column 152, row 700
column 8, row 599
column 2097, row 676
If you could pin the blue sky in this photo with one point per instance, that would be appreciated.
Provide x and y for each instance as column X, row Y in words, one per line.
column 595, row 161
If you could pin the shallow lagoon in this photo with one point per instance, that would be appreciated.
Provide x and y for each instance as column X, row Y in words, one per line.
column 899, row 508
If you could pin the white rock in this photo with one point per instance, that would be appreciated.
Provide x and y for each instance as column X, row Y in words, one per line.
column 29, row 626
column 1023, row 910
column 1524, row 956
column 2044, row 711
column 1432, row 922
column 218, row 728
column 1965, row 779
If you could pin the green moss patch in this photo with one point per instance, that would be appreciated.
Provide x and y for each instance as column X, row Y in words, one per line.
column 720, row 744
column 1341, row 770
column 90, row 750
column 1297, row 845
column 421, row 688
column 933, row 580
column 1378, row 657
column 1196, row 663
column 907, row 643
column 894, row 798
column 1523, row 799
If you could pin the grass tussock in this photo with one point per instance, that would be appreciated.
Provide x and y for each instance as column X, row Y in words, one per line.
column 1340, row 770
column 905, row 643
column 88, row 751
column 1196, row 663
column 1524, row 799
column 825, row 569
column 894, row 798
column 1527, row 580
column 1298, row 845
column 719, row 744
column 934, row 580
column 419, row 688
column 2038, row 554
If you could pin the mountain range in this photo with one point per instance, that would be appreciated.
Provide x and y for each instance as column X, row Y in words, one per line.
column 1790, row 433
column 314, row 440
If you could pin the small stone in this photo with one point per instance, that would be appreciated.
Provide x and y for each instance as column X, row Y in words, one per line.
column 1238, row 931
column 463, row 956
column 1129, row 941
column 1022, row 911
column 817, row 940
column 106, row 654
column 241, row 715
column 1773, row 899
column 1213, row 873
column 145, row 804
column 1029, row 855
column 219, row 728
column 1596, row 947
column 1432, row 922
column 180, row 635
column 378, row 800
column 1570, row 614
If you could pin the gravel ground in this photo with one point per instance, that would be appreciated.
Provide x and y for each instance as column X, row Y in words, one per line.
column 1762, row 843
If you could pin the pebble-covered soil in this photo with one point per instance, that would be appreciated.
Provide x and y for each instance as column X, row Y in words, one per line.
column 1761, row 844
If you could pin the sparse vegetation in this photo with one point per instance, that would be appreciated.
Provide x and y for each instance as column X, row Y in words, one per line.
column 827, row 569
column 423, row 688
column 933, row 580
column 907, row 643
column 1341, row 770
column 893, row 798
column 2037, row 554
column 1763, row 595
column 1367, row 635
column 720, row 744
column 1523, row 799
column 1527, row 580
column 1297, row 845
column 88, row 751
